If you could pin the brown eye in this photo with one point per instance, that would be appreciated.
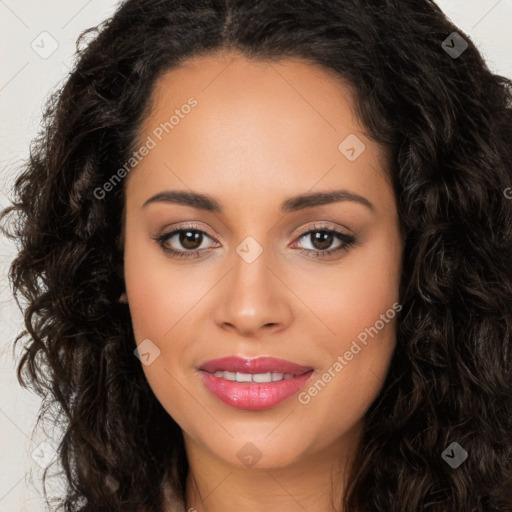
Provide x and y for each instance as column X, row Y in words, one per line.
column 321, row 238
column 186, row 242
column 190, row 239
column 183, row 242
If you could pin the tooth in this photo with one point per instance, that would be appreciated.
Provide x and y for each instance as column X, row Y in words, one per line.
column 243, row 377
column 262, row 377
column 253, row 377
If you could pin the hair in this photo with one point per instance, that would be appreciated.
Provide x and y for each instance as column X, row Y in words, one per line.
column 446, row 124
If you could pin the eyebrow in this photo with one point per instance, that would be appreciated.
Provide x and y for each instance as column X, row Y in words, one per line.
column 299, row 202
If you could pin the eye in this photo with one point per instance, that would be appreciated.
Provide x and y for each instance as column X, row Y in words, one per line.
column 189, row 240
column 188, row 237
column 324, row 237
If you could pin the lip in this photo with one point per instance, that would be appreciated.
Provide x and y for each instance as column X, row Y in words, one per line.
column 254, row 396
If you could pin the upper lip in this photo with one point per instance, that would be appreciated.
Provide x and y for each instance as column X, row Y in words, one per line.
column 255, row 365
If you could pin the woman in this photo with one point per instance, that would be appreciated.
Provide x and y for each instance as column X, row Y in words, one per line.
column 266, row 251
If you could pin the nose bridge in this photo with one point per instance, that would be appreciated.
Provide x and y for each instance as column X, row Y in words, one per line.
column 252, row 296
column 250, row 280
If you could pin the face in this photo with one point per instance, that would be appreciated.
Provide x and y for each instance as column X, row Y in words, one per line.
column 287, row 263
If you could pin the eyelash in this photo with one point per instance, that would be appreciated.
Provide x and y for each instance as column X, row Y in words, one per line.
column 348, row 241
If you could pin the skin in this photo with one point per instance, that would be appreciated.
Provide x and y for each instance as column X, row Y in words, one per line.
column 261, row 133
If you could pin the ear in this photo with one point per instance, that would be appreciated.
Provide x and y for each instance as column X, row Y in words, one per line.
column 123, row 298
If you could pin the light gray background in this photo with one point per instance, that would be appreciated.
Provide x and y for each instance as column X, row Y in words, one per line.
column 25, row 81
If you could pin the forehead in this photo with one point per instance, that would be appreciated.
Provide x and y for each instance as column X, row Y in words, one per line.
column 288, row 86
column 255, row 125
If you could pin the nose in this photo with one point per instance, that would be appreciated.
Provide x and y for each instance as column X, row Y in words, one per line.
column 253, row 300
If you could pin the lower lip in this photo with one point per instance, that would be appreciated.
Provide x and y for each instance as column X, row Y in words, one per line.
column 253, row 396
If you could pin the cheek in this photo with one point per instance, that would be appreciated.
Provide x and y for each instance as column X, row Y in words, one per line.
column 357, row 357
column 352, row 296
column 161, row 292
column 163, row 296
column 160, row 296
column 355, row 367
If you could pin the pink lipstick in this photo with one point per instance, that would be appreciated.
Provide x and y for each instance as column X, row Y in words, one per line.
column 253, row 384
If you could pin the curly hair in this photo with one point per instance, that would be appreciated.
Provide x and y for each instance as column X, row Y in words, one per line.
column 447, row 123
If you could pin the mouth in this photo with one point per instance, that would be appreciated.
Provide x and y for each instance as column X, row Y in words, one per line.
column 253, row 384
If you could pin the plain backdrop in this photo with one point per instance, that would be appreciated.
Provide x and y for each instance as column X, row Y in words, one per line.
column 29, row 31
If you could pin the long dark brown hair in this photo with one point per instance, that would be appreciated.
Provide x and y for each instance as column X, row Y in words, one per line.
column 446, row 121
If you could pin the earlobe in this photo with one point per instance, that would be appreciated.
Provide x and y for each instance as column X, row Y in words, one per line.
column 123, row 298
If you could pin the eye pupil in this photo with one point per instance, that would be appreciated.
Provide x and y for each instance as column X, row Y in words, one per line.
column 189, row 238
column 324, row 238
